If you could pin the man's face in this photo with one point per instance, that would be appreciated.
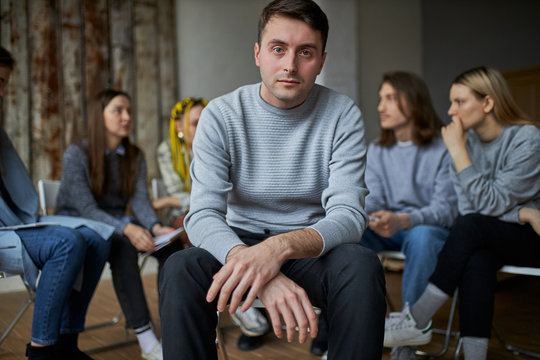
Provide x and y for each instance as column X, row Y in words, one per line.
column 4, row 79
column 390, row 114
column 289, row 57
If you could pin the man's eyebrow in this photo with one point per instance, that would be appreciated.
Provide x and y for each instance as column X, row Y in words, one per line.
column 281, row 42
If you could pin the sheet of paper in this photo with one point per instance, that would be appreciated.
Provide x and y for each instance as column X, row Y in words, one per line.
column 164, row 240
column 28, row 226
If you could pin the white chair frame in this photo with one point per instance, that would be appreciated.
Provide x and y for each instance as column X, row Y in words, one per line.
column 26, row 304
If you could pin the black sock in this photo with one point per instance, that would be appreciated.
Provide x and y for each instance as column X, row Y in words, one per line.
column 40, row 352
column 67, row 349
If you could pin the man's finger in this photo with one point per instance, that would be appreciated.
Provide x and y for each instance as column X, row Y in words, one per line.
column 275, row 320
column 219, row 279
column 289, row 320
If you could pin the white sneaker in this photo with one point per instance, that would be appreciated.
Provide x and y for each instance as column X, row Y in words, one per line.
column 325, row 355
column 251, row 322
column 155, row 354
column 401, row 330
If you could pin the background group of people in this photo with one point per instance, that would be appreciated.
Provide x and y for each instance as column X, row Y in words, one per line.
column 274, row 185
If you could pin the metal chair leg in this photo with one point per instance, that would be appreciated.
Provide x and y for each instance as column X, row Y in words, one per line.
column 220, row 341
column 515, row 350
column 115, row 320
column 447, row 332
column 19, row 314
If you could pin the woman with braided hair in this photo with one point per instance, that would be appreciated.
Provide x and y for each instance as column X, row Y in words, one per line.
column 174, row 158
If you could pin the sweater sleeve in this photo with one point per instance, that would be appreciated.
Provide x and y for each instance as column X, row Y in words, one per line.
column 206, row 221
column 516, row 181
column 344, row 198
column 375, row 200
column 75, row 192
column 442, row 209
column 140, row 200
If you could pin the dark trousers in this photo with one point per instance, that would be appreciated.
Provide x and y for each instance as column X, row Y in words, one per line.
column 348, row 283
column 476, row 248
column 127, row 281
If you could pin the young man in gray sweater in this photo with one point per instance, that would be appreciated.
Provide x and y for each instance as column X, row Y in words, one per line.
column 277, row 205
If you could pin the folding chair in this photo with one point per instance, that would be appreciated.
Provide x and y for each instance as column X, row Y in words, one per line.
column 158, row 188
column 447, row 332
column 27, row 302
column 518, row 270
column 47, row 191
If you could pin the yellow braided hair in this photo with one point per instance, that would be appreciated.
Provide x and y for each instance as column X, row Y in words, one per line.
column 180, row 141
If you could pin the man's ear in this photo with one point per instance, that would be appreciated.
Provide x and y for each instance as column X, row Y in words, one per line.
column 488, row 104
column 256, row 51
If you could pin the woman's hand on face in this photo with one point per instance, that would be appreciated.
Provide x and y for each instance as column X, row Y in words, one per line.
column 455, row 139
column 454, row 136
column 139, row 237
column 158, row 229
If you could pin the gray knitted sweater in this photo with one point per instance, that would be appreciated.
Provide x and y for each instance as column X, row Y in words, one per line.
column 504, row 175
column 75, row 197
column 270, row 170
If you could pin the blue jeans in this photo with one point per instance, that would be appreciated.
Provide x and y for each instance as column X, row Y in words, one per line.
column 59, row 252
column 421, row 246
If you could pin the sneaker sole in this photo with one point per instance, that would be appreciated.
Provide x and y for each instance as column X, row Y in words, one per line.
column 410, row 342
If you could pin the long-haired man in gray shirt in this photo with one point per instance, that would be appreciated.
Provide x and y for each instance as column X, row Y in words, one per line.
column 277, row 205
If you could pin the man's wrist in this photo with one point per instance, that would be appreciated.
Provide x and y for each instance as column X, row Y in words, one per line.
column 233, row 251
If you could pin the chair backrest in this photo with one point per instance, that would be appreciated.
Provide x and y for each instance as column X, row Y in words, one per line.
column 47, row 190
column 520, row 270
column 158, row 188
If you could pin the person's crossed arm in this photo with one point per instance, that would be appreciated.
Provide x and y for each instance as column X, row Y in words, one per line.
column 255, row 272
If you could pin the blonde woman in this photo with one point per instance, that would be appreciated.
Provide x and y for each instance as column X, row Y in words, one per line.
column 495, row 169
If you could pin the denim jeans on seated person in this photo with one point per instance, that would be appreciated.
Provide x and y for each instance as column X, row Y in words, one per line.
column 60, row 252
column 421, row 246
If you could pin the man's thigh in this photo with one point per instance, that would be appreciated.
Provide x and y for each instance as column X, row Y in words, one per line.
column 328, row 275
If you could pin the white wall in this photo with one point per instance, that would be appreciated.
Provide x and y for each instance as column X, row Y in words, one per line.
column 216, row 40
column 366, row 38
column 390, row 37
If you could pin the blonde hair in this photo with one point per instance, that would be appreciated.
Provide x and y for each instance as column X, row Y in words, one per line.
column 486, row 81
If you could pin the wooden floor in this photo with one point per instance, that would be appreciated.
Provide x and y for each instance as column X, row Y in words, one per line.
column 517, row 317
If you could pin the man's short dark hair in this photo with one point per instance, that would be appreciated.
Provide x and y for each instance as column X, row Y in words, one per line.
column 304, row 10
column 415, row 103
column 6, row 59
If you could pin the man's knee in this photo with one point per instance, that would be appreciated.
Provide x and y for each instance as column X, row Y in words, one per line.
column 188, row 267
column 357, row 261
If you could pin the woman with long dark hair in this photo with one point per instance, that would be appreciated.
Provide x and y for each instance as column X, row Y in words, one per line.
column 104, row 178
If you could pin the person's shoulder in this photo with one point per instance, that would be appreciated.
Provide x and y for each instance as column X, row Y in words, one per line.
column 239, row 95
column 525, row 131
column 333, row 96
column 77, row 149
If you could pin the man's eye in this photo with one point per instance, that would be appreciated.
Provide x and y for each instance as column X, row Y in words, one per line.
column 277, row 50
column 305, row 53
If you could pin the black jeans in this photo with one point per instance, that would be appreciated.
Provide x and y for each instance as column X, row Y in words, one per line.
column 348, row 283
column 128, row 286
column 476, row 248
